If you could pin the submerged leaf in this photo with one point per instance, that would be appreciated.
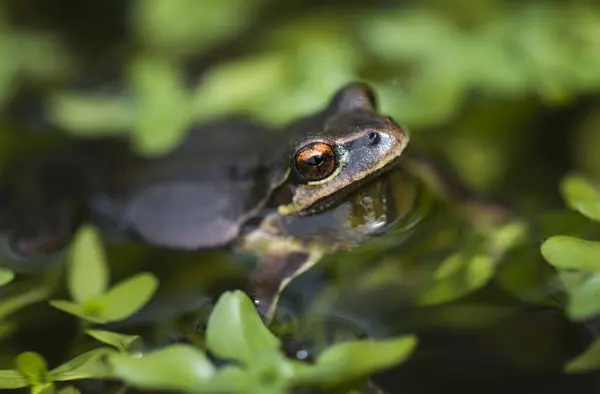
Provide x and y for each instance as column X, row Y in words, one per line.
column 88, row 271
column 235, row 330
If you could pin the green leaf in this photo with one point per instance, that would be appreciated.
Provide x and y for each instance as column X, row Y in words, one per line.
column 508, row 235
column 127, row 297
column 356, row 359
column 235, row 330
column 586, row 361
column 270, row 372
column 584, row 302
column 88, row 365
column 451, row 265
column 88, row 272
column 581, row 195
column 77, row 310
column 190, row 25
column 12, row 380
column 69, row 390
column 177, row 367
column 90, row 114
column 34, row 367
column 237, row 85
column 567, row 252
column 45, row 388
column 458, row 275
column 31, row 364
column 6, row 276
column 228, row 379
column 118, row 303
column 17, row 302
column 479, row 271
column 163, row 102
column 120, row 341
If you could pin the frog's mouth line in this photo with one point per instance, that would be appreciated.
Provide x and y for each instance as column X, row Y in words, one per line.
column 339, row 197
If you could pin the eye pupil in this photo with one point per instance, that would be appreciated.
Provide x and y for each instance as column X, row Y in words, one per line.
column 315, row 160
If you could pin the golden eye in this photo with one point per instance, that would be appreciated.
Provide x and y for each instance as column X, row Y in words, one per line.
column 315, row 161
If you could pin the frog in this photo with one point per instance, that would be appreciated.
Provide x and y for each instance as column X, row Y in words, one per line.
column 285, row 195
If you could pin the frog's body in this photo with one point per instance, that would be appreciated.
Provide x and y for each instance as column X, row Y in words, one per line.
column 282, row 195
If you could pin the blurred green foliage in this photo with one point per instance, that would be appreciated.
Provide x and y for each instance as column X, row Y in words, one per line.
column 578, row 262
column 235, row 333
column 481, row 82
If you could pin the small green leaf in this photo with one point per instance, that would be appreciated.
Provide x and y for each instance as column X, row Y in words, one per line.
column 6, row 276
column 77, row 310
column 508, row 235
column 459, row 275
column 120, row 341
column 163, row 102
column 69, row 390
column 228, row 379
column 348, row 361
column 479, row 271
column 235, row 330
column 127, row 297
column 88, row 272
column 44, row 388
column 31, row 364
column 34, row 368
column 571, row 280
column 586, row 361
column 450, row 265
column 581, row 195
column 270, row 372
column 12, row 380
column 85, row 366
column 177, row 367
column 91, row 114
column 567, row 252
column 584, row 302
column 19, row 301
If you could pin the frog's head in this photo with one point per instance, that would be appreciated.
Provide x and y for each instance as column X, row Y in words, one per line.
column 340, row 149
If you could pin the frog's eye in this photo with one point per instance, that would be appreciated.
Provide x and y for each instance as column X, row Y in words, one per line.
column 315, row 161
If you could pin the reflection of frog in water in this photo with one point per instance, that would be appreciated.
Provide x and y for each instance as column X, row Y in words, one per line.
column 324, row 183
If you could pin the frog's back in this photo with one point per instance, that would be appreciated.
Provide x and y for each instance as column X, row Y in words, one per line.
column 201, row 193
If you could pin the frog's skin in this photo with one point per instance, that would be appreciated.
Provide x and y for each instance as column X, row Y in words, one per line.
column 288, row 196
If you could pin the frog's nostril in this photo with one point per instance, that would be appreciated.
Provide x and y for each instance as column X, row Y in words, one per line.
column 374, row 138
